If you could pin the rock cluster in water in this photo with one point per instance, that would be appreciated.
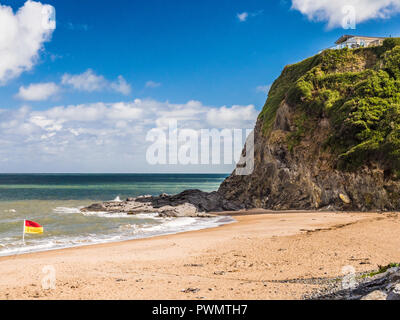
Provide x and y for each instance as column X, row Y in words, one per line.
column 190, row 203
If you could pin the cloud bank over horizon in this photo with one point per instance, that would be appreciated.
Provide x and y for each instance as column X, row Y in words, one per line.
column 102, row 136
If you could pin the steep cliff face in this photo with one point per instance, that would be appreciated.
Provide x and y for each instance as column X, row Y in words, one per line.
column 328, row 135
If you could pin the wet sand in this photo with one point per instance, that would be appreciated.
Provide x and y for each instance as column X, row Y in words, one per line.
column 263, row 255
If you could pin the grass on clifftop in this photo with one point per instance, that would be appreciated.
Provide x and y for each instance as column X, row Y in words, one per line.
column 358, row 91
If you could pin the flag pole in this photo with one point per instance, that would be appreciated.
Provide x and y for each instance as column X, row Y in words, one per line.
column 23, row 233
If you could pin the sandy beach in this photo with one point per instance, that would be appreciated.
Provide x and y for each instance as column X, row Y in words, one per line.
column 263, row 255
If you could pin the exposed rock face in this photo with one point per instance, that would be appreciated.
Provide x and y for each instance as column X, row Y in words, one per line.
column 328, row 135
column 190, row 203
column 384, row 286
column 305, row 178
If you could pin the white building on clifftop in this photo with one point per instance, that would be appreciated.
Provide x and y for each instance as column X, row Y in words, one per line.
column 354, row 42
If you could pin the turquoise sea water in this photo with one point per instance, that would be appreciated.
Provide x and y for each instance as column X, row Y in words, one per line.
column 53, row 200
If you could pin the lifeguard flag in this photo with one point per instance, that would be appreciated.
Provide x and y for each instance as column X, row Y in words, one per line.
column 32, row 227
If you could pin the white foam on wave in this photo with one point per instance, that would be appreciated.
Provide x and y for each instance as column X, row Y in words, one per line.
column 16, row 247
column 90, row 213
column 104, row 214
column 101, row 214
column 66, row 210
column 154, row 216
column 171, row 224
column 177, row 225
column 127, row 231
column 117, row 199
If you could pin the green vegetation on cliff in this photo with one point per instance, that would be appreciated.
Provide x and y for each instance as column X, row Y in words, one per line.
column 358, row 91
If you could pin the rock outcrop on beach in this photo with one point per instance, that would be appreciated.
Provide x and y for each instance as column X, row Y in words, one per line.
column 190, row 203
column 328, row 136
column 385, row 285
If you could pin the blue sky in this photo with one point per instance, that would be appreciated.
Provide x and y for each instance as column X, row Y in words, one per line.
column 217, row 53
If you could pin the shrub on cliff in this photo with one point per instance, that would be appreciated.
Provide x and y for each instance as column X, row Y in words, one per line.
column 358, row 91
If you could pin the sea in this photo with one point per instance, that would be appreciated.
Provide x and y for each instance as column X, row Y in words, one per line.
column 54, row 201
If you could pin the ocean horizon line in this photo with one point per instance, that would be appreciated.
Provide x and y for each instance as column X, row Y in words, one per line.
column 114, row 173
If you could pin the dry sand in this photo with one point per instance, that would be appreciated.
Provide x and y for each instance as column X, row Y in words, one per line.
column 263, row 256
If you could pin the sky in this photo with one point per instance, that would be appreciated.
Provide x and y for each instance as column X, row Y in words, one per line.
column 83, row 96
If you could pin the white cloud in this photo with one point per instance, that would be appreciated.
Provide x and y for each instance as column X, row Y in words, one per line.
column 38, row 91
column 332, row 11
column 264, row 89
column 233, row 117
column 90, row 82
column 87, row 81
column 152, row 84
column 46, row 124
column 242, row 16
column 245, row 15
column 95, row 112
column 77, row 27
column 102, row 136
column 22, row 36
column 121, row 86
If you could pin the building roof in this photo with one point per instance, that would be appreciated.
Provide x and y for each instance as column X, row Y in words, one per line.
column 347, row 37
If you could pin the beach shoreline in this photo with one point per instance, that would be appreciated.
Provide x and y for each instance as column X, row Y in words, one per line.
column 222, row 220
column 265, row 255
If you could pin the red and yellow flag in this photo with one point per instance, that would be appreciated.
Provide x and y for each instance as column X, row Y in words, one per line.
column 32, row 227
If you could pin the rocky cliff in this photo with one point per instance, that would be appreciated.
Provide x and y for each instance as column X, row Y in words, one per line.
column 328, row 136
